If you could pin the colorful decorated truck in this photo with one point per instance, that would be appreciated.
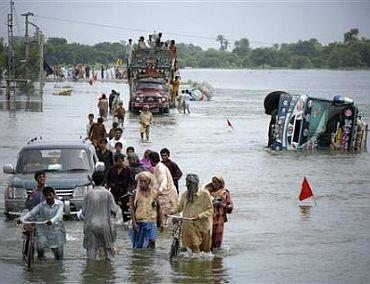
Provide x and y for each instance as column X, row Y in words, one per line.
column 150, row 73
column 303, row 122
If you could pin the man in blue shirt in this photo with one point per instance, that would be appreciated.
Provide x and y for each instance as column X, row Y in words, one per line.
column 36, row 196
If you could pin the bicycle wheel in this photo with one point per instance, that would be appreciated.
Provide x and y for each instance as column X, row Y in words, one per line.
column 30, row 252
column 174, row 248
column 25, row 248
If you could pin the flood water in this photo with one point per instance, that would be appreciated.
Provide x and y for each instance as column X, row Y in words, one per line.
column 269, row 237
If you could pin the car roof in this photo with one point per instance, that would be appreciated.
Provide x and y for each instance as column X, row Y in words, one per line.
column 57, row 144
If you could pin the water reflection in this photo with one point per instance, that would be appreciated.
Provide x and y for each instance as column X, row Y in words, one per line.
column 27, row 105
column 144, row 267
column 100, row 271
column 305, row 212
column 200, row 270
column 46, row 271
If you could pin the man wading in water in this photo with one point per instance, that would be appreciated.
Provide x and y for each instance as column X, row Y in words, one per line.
column 146, row 119
column 196, row 203
column 97, row 210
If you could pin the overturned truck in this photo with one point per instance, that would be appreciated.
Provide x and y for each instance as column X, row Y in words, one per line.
column 149, row 74
column 303, row 122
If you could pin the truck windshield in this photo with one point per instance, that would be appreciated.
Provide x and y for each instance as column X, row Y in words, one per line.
column 61, row 160
column 149, row 85
column 324, row 119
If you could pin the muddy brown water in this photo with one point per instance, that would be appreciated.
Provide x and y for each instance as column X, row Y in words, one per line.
column 269, row 238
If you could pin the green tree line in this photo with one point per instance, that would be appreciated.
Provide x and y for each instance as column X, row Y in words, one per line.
column 352, row 52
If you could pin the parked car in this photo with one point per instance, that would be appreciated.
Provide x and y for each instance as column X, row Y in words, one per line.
column 68, row 166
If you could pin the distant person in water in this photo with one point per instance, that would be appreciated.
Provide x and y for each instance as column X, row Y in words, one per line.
column 103, row 106
column 120, row 113
column 146, row 120
column 97, row 132
column 187, row 99
column 89, row 124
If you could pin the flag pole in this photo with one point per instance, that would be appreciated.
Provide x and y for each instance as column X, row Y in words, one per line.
column 314, row 200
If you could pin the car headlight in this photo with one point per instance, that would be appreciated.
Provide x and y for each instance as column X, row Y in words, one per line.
column 80, row 191
column 17, row 192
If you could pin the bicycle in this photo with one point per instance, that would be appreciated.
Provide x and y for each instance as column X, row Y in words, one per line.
column 29, row 242
column 176, row 234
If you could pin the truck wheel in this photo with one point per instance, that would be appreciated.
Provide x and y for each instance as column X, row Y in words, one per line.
column 166, row 110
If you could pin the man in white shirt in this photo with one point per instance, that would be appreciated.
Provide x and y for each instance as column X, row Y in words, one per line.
column 117, row 138
column 129, row 52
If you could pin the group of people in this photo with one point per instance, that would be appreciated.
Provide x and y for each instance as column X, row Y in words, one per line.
column 84, row 71
column 112, row 105
column 153, row 199
column 153, row 41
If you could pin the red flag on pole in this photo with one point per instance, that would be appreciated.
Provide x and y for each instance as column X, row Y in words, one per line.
column 229, row 123
column 306, row 191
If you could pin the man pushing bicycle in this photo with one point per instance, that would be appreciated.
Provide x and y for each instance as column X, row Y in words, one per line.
column 48, row 217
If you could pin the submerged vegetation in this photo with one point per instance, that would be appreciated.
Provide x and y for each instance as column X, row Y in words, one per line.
column 352, row 52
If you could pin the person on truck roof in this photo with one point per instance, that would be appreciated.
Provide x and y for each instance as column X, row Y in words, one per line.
column 141, row 43
column 150, row 42
column 158, row 41
column 128, row 53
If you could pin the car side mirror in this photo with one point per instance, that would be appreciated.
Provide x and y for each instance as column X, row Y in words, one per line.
column 8, row 169
column 99, row 167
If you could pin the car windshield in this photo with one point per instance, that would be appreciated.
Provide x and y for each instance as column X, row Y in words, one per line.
column 60, row 160
column 149, row 85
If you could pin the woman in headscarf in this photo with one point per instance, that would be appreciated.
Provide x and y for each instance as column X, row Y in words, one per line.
column 145, row 212
column 222, row 205
column 134, row 163
column 146, row 161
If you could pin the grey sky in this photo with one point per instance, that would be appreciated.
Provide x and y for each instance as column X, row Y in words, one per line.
column 261, row 22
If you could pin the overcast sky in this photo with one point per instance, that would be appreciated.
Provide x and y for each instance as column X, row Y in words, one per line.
column 198, row 22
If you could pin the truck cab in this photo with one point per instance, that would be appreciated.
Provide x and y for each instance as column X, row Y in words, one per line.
column 304, row 122
column 150, row 72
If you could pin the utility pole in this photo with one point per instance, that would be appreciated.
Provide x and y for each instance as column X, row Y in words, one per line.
column 26, row 36
column 40, row 38
column 11, row 60
column 27, row 43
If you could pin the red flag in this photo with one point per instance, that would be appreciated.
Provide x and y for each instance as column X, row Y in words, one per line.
column 306, row 191
column 229, row 123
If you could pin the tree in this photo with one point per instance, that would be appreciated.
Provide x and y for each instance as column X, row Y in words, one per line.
column 221, row 39
column 241, row 47
column 226, row 44
column 351, row 36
